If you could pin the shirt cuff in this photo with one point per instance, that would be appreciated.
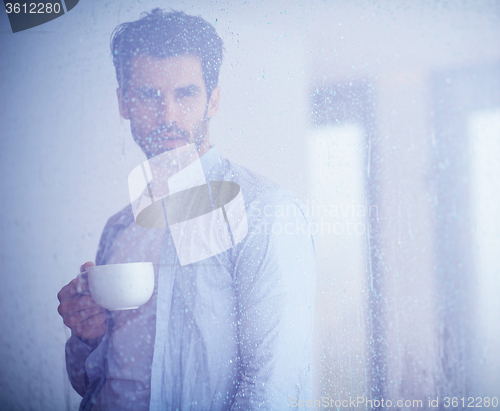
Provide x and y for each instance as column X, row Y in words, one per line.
column 92, row 344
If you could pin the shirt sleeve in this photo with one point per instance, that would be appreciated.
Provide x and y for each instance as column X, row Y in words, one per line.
column 77, row 351
column 275, row 281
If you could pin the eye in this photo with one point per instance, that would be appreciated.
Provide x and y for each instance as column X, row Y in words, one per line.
column 186, row 92
column 146, row 93
column 149, row 93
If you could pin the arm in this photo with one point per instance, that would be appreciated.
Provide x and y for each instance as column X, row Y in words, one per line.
column 77, row 351
column 276, row 286
column 87, row 322
column 86, row 333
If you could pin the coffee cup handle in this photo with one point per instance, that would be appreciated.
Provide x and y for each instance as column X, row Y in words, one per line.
column 81, row 277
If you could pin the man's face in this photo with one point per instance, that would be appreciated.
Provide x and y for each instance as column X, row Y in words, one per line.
column 166, row 103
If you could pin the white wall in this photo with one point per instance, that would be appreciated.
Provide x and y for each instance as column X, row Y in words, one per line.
column 65, row 154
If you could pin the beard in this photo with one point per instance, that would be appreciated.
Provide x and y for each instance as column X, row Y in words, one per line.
column 167, row 137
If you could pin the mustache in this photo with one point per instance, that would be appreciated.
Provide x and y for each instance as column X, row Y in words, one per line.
column 171, row 129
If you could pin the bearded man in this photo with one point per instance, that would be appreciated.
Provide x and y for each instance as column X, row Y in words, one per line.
column 232, row 331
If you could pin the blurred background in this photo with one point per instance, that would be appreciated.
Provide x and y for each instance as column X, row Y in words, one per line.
column 383, row 116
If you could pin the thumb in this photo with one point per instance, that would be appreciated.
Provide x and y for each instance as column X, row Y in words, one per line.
column 86, row 265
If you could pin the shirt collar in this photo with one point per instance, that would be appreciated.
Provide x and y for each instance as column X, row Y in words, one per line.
column 209, row 161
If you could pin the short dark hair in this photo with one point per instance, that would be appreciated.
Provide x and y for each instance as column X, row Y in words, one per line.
column 161, row 34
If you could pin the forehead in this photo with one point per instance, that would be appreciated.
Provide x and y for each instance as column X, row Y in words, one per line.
column 176, row 71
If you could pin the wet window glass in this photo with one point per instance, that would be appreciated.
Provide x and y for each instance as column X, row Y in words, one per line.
column 316, row 226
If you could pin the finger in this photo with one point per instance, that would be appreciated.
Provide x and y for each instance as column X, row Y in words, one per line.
column 69, row 291
column 96, row 332
column 82, row 303
column 84, row 328
column 73, row 289
column 88, row 312
column 77, row 286
column 63, row 293
column 70, row 307
column 72, row 317
column 73, row 320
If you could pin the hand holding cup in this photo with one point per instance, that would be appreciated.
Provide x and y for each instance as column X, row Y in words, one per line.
column 79, row 310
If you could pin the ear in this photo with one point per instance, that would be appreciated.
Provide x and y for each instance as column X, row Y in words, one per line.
column 122, row 105
column 213, row 102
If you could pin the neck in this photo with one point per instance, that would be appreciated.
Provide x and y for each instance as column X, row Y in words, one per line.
column 202, row 149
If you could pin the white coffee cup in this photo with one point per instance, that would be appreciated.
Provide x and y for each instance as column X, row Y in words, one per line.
column 121, row 286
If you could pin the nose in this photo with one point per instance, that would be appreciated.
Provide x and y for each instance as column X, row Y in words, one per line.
column 167, row 110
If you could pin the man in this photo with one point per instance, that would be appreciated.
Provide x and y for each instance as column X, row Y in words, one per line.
column 232, row 331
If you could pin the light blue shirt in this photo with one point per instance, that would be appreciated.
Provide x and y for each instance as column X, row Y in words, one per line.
column 233, row 331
